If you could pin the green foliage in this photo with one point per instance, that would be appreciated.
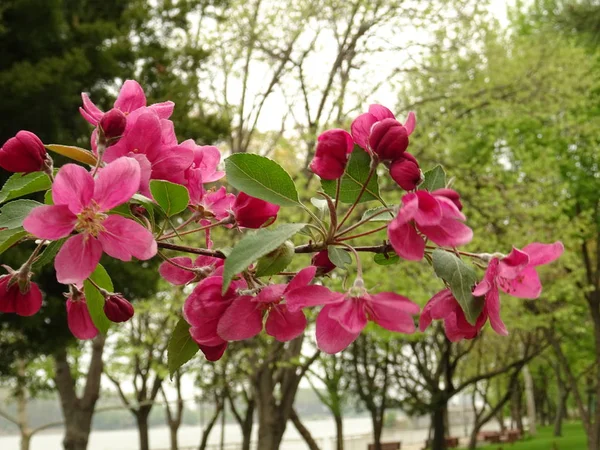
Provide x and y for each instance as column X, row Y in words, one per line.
column 48, row 254
column 434, row 179
column 19, row 185
column 95, row 300
column 10, row 237
column 181, row 347
column 13, row 214
column 262, row 178
column 378, row 214
column 339, row 256
column 353, row 179
column 173, row 198
column 253, row 246
column 75, row 153
column 276, row 261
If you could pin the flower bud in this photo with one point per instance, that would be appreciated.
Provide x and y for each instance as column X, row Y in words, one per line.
column 23, row 298
column 388, row 139
column 23, row 153
column 451, row 195
column 117, row 309
column 405, row 171
column 331, row 156
column 78, row 317
column 322, row 261
column 252, row 212
column 112, row 125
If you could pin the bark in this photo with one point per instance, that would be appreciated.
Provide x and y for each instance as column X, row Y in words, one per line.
column 529, row 395
column 210, row 425
column 246, row 422
column 174, row 418
column 516, row 409
column 439, row 426
column 561, row 401
column 339, row 431
column 303, row 431
column 78, row 411
column 141, row 418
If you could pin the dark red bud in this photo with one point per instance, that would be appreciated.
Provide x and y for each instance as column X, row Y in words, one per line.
column 405, row 171
column 388, row 139
column 23, row 153
column 251, row 212
column 322, row 261
column 117, row 309
column 113, row 125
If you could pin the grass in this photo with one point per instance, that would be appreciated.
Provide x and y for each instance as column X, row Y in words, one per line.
column 573, row 438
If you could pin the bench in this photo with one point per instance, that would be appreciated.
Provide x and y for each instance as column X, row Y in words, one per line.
column 451, row 442
column 387, row 446
column 490, row 436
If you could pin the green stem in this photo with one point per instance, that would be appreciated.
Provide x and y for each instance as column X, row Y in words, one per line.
column 362, row 222
column 362, row 191
column 366, row 233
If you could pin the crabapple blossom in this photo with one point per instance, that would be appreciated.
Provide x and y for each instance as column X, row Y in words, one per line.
column 332, row 153
column 251, row 212
column 78, row 317
column 173, row 271
column 405, row 172
column 24, row 153
column 117, row 308
column 23, row 298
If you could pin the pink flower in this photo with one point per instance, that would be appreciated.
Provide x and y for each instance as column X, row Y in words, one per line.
column 25, row 301
column 406, row 172
column 244, row 318
column 203, row 267
column 322, row 261
column 251, row 212
column 81, row 204
column 203, row 169
column 145, row 142
column 332, row 153
column 79, row 319
column 217, row 204
column 380, row 132
column 435, row 216
column 344, row 316
column 515, row 274
column 117, row 308
column 204, row 308
column 443, row 306
column 131, row 98
column 23, row 153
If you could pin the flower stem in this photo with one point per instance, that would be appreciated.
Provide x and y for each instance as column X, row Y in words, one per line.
column 372, row 169
column 366, row 233
column 362, row 222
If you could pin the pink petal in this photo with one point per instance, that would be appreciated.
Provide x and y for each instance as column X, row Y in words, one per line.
column 168, row 137
column 440, row 306
column 410, row 123
column 79, row 320
column 50, row 222
column 350, row 314
column 90, row 111
column 242, row 320
column 163, row 109
column 117, row 183
column 449, row 233
column 206, row 333
column 171, row 164
column 207, row 158
column 213, row 353
column 145, row 174
column 511, row 265
column 394, row 312
column 193, row 183
column 405, row 240
column 77, row 259
column 525, row 285
column 144, row 137
column 543, row 253
column 361, row 129
column 123, row 238
column 175, row 275
column 308, row 296
column 302, row 278
column 131, row 97
column 381, row 112
column 30, row 302
column 492, row 305
column 74, row 187
column 429, row 211
column 331, row 336
column 284, row 325
column 271, row 293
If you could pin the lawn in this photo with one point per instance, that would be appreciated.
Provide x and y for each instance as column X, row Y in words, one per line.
column 573, row 438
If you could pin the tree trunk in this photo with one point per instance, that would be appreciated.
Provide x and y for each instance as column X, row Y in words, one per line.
column 339, row 430
column 210, row 426
column 439, row 427
column 25, row 441
column 531, row 415
column 594, row 412
column 173, row 429
column 377, row 420
column 141, row 418
column 473, row 437
column 248, row 425
column 516, row 410
column 303, row 431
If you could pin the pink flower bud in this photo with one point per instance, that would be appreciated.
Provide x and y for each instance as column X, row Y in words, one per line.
column 388, row 139
column 79, row 319
column 117, row 309
column 332, row 153
column 252, row 212
column 24, row 301
column 322, row 261
column 113, row 125
column 451, row 195
column 23, row 153
column 405, row 171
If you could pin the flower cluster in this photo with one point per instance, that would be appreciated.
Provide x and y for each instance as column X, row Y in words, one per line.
column 106, row 208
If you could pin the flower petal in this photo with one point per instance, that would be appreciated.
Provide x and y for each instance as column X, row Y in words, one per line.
column 213, row 353
column 30, row 302
column 350, row 314
column 271, row 293
column 511, row 265
column 313, row 295
column 284, row 325
column 174, row 274
column 50, row 221
column 74, row 187
column 405, row 240
column 331, row 336
column 381, row 112
column 79, row 320
column 242, row 320
column 116, row 183
column 449, row 233
column 543, row 253
column 492, row 305
column 302, row 278
column 410, row 123
column 525, row 285
column 361, row 129
column 123, row 238
column 77, row 259
column 131, row 97
column 394, row 312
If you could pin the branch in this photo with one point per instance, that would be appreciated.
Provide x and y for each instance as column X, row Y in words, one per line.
column 8, row 417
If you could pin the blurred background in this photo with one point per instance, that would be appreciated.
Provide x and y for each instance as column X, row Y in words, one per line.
column 507, row 98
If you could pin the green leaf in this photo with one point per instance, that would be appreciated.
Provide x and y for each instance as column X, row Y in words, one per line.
column 181, row 347
column 95, row 300
column 10, row 237
column 386, row 259
column 148, row 205
column 434, row 179
column 19, row 185
column 320, row 204
column 13, row 214
column 461, row 278
column 339, row 257
column 276, row 261
column 48, row 197
column 48, row 254
column 353, row 179
column 262, row 178
column 76, row 153
column 255, row 245
column 376, row 214
column 173, row 198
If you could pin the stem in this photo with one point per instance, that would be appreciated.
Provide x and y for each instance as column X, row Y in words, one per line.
column 337, row 192
column 173, row 263
column 320, row 226
column 362, row 222
column 192, row 250
column 359, row 272
column 366, row 233
column 373, row 167
column 195, row 230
